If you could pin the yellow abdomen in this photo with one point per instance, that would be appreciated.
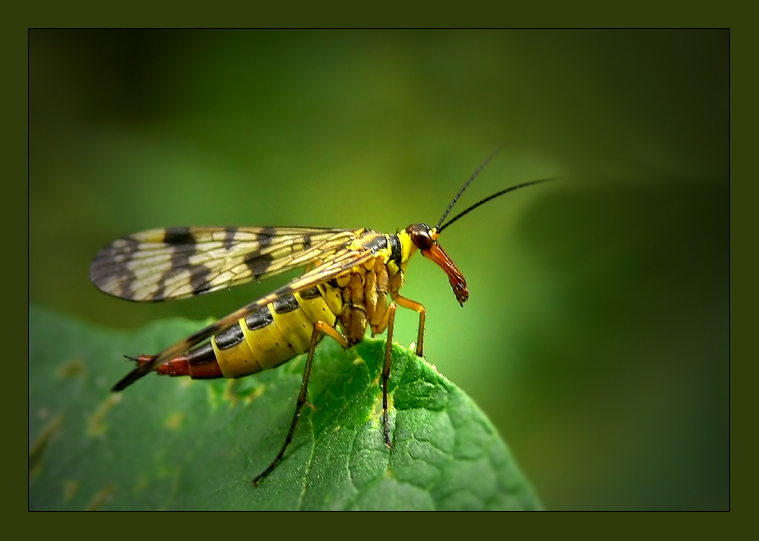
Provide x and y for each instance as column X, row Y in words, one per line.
column 276, row 333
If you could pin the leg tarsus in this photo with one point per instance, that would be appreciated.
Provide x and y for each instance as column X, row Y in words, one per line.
column 386, row 372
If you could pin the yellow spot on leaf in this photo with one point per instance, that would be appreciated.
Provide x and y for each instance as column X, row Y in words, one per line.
column 174, row 421
column 230, row 391
column 100, row 498
column 97, row 425
column 69, row 489
column 37, row 450
column 255, row 394
column 74, row 367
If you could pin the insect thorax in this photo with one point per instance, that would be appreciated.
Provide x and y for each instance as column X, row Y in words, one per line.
column 364, row 290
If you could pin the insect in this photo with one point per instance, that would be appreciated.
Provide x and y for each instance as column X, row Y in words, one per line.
column 349, row 275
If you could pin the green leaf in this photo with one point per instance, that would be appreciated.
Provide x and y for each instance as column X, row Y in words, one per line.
column 175, row 443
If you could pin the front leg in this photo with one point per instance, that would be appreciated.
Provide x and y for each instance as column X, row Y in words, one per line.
column 421, row 310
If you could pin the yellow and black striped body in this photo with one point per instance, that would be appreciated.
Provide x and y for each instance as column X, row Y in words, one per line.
column 264, row 339
column 275, row 333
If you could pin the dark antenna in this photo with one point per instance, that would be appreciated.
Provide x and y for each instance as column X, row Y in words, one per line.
column 497, row 194
column 468, row 182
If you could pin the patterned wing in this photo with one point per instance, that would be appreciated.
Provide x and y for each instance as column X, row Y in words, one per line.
column 333, row 266
column 184, row 261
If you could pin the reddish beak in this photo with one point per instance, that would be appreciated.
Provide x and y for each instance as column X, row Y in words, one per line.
column 458, row 283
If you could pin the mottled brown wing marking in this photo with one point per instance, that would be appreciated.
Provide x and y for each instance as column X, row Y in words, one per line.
column 181, row 269
column 230, row 234
column 258, row 266
column 110, row 271
column 178, row 235
column 181, row 262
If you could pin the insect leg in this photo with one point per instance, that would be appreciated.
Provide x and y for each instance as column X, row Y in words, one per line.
column 320, row 327
column 389, row 320
column 416, row 307
column 386, row 369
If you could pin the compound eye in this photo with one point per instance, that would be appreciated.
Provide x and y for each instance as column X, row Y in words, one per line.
column 420, row 236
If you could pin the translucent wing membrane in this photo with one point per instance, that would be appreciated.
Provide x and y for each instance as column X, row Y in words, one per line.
column 181, row 262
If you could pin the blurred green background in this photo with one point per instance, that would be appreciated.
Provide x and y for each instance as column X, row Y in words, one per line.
column 596, row 335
